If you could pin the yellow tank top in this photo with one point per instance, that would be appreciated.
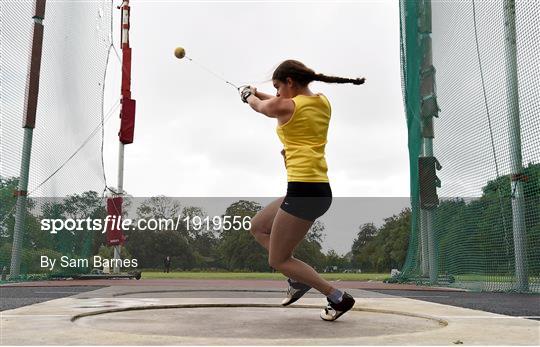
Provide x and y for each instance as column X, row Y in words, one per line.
column 304, row 139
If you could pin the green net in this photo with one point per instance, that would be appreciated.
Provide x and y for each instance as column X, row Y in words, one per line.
column 470, row 78
column 66, row 156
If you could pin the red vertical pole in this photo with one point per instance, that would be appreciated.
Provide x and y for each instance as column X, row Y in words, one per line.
column 115, row 237
column 127, row 113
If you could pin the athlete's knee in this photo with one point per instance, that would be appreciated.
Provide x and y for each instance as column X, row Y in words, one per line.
column 277, row 262
column 257, row 227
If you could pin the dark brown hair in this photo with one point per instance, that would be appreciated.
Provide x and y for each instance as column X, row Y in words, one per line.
column 303, row 75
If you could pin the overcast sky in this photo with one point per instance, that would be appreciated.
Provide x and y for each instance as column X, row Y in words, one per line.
column 194, row 137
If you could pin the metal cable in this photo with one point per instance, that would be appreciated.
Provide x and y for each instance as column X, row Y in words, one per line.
column 489, row 121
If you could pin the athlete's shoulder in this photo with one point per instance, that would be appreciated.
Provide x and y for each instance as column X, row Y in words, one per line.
column 326, row 101
column 277, row 106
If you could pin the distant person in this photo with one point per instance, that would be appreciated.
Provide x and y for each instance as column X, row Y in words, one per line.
column 303, row 118
column 167, row 264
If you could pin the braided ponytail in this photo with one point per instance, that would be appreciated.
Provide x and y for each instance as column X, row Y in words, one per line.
column 303, row 75
column 332, row 79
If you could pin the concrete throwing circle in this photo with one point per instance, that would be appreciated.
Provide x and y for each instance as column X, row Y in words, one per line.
column 252, row 321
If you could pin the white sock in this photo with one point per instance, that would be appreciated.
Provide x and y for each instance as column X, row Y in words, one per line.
column 336, row 296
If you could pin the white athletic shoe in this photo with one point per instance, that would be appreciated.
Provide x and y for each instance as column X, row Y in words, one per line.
column 294, row 292
column 334, row 311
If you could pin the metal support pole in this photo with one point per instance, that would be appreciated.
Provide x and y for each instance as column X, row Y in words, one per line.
column 433, row 268
column 117, row 250
column 31, row 99
column 430, row 218
column 126, row 95
column 516, row 166
column 120, row 191
column 20, row 214
column 424, row 257
column 432, row 254
column 424, row 243
column 427, row 95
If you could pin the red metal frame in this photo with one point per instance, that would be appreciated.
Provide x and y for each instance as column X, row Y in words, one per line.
column 127, row 121
column 127, row 112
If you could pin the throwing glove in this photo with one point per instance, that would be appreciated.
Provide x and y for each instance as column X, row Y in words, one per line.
column 245, row 93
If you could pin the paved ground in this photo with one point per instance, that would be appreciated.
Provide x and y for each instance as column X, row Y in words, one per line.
column 13, row 297
column 218, row 283
column 214, row 312
column 26, row 293
column 511, row 304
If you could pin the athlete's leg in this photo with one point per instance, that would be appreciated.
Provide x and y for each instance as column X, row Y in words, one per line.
column 287, row 232
column 261, row 224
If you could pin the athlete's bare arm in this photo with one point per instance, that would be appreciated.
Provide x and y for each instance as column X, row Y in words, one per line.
column 274, row 107
column 263, row 96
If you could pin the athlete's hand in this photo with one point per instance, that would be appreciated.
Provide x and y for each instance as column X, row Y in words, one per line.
column 284, row 158
column 246, row 92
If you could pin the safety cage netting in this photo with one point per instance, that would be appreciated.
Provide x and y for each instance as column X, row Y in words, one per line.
column 66, row 168
column 471, row 87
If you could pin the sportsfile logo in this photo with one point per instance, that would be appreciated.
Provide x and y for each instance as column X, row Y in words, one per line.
column 53, row 226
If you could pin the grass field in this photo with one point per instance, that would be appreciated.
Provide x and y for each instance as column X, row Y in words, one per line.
column 158, row 274
column 154, row 274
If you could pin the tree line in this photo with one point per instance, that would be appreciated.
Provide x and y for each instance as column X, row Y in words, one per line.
column 189, row 248
column 472, row 236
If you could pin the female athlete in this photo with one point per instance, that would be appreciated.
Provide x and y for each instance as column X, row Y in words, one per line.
column 302, row 126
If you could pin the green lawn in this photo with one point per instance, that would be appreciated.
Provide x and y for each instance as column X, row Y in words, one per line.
column 157, row 274
column 154, row 274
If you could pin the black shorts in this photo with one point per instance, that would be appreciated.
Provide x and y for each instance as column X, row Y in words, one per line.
column 307, row 200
